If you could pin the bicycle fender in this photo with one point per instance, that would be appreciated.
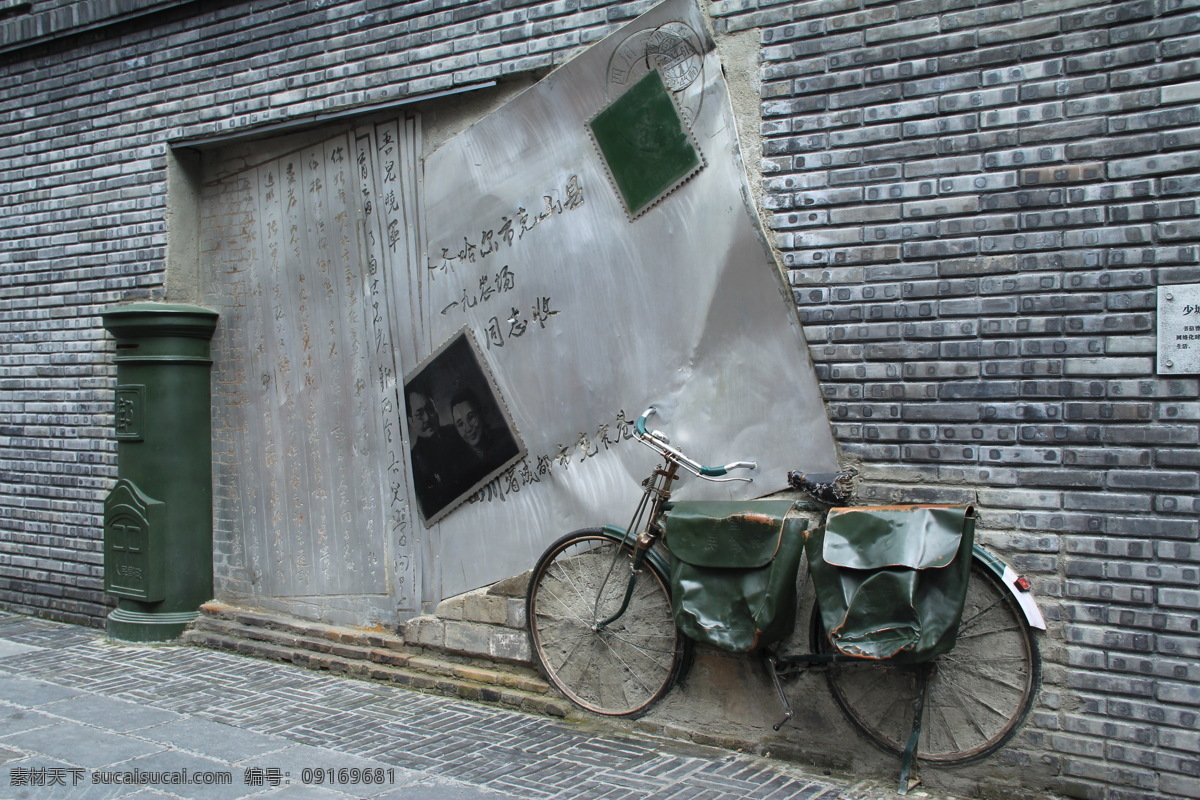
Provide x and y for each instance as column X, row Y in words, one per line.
column 622, row 535
column 1012, row 582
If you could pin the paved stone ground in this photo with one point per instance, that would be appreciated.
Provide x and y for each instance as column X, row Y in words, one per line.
column 78, row 713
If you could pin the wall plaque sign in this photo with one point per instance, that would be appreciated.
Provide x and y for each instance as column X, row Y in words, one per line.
column 1179, row 329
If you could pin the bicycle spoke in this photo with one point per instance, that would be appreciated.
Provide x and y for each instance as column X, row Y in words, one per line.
column 628, row 667
column 952, row 689
column 929, row 728
column 1015, row 628
column 573, row 571
column 576, row 643
column 968, row 666
column 644, row 650
column 566, row 608
column 974, row 697
column 968, row 623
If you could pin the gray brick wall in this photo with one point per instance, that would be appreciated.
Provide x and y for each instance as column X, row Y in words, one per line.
column 974, row 203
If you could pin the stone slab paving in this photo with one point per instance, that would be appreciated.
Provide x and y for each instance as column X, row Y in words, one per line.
column 82, row 717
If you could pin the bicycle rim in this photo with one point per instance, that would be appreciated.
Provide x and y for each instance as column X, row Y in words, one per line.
column 627, row 666
column 978, row 694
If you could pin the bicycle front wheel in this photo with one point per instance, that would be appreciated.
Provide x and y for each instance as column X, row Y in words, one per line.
column 618, row 669
column 977, row 696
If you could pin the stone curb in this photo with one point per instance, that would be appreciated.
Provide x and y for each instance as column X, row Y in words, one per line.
column 372, row 656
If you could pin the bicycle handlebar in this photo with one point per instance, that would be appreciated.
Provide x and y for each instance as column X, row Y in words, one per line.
column 658, row 442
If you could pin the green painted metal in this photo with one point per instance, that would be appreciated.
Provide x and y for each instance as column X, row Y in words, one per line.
column 909, row 757
column 621, row 534
column 158, row 518
column 989, row 560
column 644, row 143
column 133, row 553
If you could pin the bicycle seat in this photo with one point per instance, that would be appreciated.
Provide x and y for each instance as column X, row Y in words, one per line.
column 830, row 488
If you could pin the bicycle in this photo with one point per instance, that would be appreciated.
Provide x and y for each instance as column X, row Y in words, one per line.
column 603, row 629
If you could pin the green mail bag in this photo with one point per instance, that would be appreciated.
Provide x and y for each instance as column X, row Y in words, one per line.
column 891, row 581
column 733, row 570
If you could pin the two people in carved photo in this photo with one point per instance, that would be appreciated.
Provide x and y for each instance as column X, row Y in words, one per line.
column 459, row 434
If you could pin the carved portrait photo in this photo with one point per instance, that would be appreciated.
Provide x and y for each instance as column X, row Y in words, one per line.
column 459, row 431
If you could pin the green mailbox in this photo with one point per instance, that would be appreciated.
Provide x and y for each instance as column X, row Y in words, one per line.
column 158, row 517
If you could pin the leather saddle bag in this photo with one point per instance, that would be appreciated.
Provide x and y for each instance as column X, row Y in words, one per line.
column 733, row 570
column 891, row 581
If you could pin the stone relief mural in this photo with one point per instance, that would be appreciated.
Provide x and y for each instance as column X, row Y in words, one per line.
column 425, row 375
column 596, row 235
column 311, row 459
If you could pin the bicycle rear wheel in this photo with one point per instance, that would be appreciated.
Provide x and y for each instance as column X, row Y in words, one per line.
column 623, row 668
column 978, row 694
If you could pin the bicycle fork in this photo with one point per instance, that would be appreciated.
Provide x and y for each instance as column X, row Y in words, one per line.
column 635, row 569
column 657, row 492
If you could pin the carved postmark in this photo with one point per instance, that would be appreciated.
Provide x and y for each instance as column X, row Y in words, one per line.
column 674, row 49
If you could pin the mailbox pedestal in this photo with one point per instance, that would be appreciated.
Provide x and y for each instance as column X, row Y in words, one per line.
column 158, row 517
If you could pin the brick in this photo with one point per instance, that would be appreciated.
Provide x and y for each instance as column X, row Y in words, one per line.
column 1108, row 501
column 985, row 98
column 1158, row 73
column 1168, row 457
column 1033, row 198
column 1109, row 58
column 902, row 31
column 1178, row 504
column 901, row 191
column 872, row 213
column 1020, row 73
column 1153, row 479
column 978, row 183
column 1174, row 162
column 1068, row 43
column 1025, row 115
column 1110, row 366
column 1019, row 498
column 1020, row 455
column 1023, row 156
column 1181, row 785
column 940, row 207
column 941, row 125
column 1064, row 478
column 1182, row 93
column 978, row 142
column 941, row 412
column 1019, row 31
